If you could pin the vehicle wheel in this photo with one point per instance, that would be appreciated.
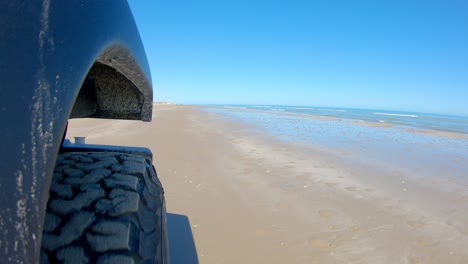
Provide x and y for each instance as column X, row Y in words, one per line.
column 105, row 208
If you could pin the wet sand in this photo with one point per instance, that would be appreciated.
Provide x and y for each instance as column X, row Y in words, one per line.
column 440, row 133
column 251, row 199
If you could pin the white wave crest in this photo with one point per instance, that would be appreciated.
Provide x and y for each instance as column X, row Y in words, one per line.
column 234, row 107
column 333, row 110
column 388, row 114
column 304, row 108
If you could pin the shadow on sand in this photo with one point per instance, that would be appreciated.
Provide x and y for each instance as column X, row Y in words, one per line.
column 182, row 248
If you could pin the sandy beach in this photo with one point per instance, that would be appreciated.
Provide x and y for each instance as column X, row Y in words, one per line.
column 245, row 197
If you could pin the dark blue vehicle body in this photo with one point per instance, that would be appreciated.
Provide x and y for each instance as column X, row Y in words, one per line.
column 47, row 50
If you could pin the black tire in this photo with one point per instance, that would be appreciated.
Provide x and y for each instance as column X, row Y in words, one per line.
column 105, row 208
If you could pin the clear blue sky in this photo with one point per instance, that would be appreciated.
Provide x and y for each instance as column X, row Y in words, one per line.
column 396, row 55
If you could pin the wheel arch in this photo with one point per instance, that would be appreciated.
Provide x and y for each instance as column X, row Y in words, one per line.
column 115, row 87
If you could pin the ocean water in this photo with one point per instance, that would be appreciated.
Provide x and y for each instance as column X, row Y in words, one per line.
column 402, row 141
column 449, row 123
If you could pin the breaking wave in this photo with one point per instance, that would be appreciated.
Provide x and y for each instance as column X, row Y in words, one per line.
column 389, row 114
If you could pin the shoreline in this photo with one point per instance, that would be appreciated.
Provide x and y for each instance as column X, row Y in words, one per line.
column 253, row 199
column 433, row 132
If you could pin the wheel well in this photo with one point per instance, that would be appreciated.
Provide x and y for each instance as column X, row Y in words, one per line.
column 107, row 93
column 117, row 86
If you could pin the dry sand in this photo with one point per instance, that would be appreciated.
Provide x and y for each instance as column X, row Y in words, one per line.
column 250, row 199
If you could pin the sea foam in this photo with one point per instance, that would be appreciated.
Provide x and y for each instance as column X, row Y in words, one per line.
column 388, row 114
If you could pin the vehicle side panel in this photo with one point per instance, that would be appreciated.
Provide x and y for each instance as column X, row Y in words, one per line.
column 46, row 50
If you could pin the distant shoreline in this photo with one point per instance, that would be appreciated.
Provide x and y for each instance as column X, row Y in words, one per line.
column 337, row 109
column 429, row 124
column 164, row 103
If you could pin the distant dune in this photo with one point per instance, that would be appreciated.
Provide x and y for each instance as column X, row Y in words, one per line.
column 163, row 103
